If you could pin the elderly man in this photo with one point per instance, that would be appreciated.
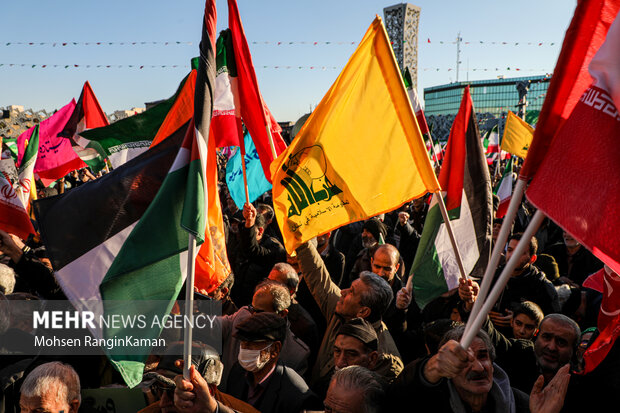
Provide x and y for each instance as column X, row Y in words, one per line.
column 368, row 298
column 51, row 387
column 355, row 389
column 270, row 297
column 258, row 378
column 459, row 380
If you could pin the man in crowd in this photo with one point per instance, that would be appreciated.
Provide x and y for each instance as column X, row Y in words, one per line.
column 459, row 380
column 269, row 297
column 51, row 387
column 257, row 255
column 368, row 298
column 355, row 389
column 258, row 378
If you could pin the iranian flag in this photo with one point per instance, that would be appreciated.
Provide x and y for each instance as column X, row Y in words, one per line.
column 14, row 200
column 465, row 180
column 255, row 114
column 491, row 146
column 504, row 190
column 25, row 174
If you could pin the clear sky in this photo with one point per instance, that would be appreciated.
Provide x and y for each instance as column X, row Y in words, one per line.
column 289, row 91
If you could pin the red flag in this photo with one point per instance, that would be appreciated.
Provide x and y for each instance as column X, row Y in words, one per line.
column 583, row 38
column 13, row 217
column 577, row 183
column 608, row 321
column 254, row 112
column 87, row 114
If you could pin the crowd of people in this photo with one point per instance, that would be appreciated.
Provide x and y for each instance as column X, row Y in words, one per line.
column 335, row 327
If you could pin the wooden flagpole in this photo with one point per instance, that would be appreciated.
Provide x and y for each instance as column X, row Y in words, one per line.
column 189, row 306
column 455, row 247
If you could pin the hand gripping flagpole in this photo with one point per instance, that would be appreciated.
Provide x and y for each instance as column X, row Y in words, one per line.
column 524, row 243
column 497, row 250
column 189, row 306
column 455, row 247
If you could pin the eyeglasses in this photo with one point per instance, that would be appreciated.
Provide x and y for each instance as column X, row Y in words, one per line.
column 254, row 310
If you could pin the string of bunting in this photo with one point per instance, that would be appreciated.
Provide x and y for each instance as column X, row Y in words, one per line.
column 62, row 44
column 274, row 43
column 278, row 67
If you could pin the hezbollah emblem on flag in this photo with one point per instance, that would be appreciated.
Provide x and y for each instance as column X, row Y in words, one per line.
column 306, row 182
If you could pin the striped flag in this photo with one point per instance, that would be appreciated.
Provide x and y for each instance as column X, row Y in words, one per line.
column 504, row 190
column 465, row 179
column 491, row 146
column 136, row 248
column 26, row 169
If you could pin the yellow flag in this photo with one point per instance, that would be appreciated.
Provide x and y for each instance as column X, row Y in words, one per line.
column 517, row 136
column 359, row 154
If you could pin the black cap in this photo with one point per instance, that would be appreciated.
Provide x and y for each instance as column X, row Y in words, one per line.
column 376, row 228
column 261, row 327
column 362, row 330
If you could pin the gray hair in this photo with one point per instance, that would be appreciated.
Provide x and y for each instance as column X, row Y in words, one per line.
column 7, row 279
column 457, row 333
column 57, row 378
column 281, row 298
column 213, row 371
column 287, row 270
column 568, row 321
column 365, row 381
column 379, row 294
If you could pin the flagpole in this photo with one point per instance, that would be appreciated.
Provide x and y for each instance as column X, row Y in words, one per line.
column 189, row 306
column 497, row 250
column 455, row 247
column 271, row 145
column 245, row 177
column 523, row 244
column 433, row 146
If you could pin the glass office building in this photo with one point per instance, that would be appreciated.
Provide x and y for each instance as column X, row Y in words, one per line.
column 495, row 96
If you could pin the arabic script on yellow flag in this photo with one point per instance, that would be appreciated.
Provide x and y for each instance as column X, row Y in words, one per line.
column 359, row 154
column 517, row 136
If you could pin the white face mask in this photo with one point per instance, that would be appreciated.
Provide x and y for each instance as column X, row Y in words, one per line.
column 251, row 360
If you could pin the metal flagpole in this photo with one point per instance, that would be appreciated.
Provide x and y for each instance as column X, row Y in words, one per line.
column 524, row 243
column 497, row 250
column 455, row 247
column 189, row 306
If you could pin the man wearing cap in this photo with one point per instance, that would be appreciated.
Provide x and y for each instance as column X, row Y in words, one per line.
column 367, row 298
column 206, row 363
column 257, row 378
column 270, row 297
column 373, row 233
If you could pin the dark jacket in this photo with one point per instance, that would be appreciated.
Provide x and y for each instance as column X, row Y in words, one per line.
column 285, row 391
column 256, row 259
column 410, row 388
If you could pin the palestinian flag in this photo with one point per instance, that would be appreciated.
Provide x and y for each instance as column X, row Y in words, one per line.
column 504, row 190
column 466, row 185
column 129, row 137
column 87, row 114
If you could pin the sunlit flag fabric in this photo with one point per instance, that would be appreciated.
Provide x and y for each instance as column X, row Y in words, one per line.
column 577, row 183
column 87, row 114
column 490, row 144
column 465, row 179
column 257, row 183
column 14, row 196
column 359, row 154
column 517, row 136
column 127, row 138
column 136, row 248
column 254, row 112
column 56, row 157
column 570, row 80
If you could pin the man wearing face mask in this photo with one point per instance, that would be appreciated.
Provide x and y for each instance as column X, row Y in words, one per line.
column 257, row 378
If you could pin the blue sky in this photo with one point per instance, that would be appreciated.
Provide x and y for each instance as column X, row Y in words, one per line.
column 289, row 92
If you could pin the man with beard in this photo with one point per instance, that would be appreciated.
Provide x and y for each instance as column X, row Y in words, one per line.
column 459, row 380
column 374, row 232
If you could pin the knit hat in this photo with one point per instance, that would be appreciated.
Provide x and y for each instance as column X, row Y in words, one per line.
column 376, row 228
column 261, row 327
column 362, row 330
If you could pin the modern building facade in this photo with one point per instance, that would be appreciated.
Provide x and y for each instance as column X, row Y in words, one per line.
column 492, row 100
